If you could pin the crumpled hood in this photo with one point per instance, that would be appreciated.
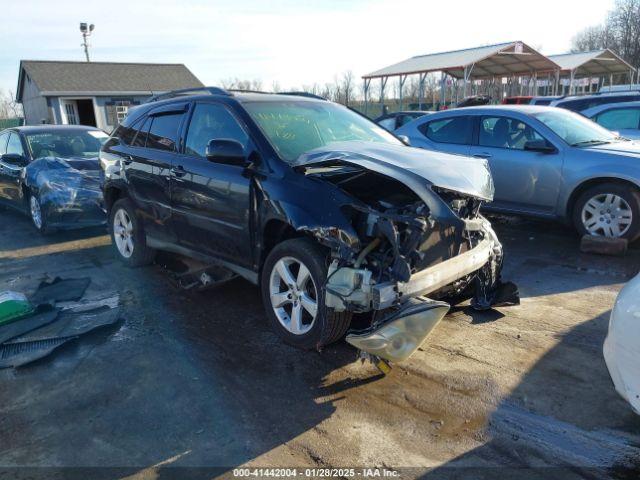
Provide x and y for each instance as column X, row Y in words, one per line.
column 470, row 176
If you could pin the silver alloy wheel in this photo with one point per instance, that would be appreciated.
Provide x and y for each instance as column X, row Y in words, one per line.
column 36, row 212
column 294, row 296
column 123, row 233
column 607, row 214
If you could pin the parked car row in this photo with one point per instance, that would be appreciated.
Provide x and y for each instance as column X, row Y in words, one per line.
column 327, row 212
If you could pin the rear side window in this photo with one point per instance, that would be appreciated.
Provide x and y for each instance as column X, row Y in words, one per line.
column 456, row 130
column 142, row 134
column 163, row 133
column 620, row 119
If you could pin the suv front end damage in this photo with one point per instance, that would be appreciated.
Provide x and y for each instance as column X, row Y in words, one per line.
column 422, row 239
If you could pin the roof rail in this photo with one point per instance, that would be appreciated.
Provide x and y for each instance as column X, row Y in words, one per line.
column 242, row 90
column 188, row 91
column 303, row 94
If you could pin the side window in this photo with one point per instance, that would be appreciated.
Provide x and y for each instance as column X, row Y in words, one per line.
column 142, row 134
column 212, row 121
column 620, row 118
column 15, row 145
column 3, row 142
column 456, row 130
column 505, row 132
column 163, row 133
column 388, row 123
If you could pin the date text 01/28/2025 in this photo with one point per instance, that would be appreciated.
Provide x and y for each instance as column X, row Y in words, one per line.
column 316, row 472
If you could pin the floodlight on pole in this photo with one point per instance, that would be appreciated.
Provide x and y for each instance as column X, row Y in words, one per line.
column 86, row 32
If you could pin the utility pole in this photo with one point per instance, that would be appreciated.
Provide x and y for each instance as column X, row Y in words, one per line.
column 86, row 32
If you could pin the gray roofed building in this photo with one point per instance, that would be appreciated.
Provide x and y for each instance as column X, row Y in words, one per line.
column 93, row 93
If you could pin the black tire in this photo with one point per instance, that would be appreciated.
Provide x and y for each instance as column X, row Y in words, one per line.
column 141, row 253
column 42, row 227
column 329, row 326
column 629, row 194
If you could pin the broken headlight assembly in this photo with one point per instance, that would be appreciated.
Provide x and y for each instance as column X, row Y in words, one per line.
column 401, row 331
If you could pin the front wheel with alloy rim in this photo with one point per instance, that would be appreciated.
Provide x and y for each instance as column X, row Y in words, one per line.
column 608, row 210
column 128, row 236
column 37, row 215
column 292, row 286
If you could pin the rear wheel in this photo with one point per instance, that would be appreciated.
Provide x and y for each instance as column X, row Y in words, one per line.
column 608, row 210
column 127, row 235
column 292, row 287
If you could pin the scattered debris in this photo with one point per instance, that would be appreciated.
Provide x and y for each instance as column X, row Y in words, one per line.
column 13, row 305
column 58, row 317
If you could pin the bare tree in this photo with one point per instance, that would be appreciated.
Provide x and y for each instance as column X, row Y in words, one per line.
column 620, row 32
column 9, row 107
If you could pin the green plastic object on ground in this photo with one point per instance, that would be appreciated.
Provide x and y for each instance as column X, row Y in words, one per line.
column 13, row 305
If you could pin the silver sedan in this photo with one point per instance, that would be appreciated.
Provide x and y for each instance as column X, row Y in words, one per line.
column 545, row 161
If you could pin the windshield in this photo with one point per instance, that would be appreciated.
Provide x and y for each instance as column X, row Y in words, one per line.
column 295, row 127
column 66, row 144
column 574, row 129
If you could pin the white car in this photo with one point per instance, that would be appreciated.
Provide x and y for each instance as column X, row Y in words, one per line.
column 622, row 345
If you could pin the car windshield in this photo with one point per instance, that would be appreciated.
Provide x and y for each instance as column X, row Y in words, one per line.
column 575, row 129
column 66, row 144
column 295, row 127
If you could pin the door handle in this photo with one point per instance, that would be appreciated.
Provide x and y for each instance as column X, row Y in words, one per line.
column 178, row 171
column 482, row 155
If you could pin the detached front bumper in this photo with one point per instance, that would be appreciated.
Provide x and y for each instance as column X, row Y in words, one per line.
column 354, row 289
column 434, row 278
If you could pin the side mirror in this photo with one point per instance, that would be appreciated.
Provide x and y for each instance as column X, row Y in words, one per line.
column 539, row 146
column 227, row 151
column 404, row 139
column 14, row 159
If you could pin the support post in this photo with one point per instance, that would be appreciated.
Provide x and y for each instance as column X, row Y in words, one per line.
column 421, row 89
column 401, row 81
column 367, row 82
column 383, row 83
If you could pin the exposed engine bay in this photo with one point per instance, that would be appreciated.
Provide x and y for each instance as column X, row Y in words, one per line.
column 414, row 242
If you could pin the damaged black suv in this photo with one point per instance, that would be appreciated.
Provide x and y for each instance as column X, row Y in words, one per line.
column 329, row 213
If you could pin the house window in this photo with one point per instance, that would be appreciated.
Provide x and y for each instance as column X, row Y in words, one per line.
column 122, row 108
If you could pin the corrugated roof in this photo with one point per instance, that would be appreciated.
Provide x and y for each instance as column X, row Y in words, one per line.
column 77, row 77
column 503, row 59
column 596, row 62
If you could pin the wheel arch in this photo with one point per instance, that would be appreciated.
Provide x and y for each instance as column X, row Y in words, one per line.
column 112, row 194
column 592, row 182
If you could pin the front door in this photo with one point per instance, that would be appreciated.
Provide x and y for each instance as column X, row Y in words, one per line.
column 525, row 181
column 210, row 201
column 10, row 172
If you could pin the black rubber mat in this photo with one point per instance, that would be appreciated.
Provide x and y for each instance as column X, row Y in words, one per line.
column 41, row 318
column 60, row 290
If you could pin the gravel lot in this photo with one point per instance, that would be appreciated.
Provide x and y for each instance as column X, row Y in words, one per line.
column 197, row 380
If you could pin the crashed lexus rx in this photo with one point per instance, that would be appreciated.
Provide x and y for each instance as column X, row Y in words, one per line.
column 329, row 213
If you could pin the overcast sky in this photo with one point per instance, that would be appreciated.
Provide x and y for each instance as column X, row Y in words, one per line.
column 293, row 42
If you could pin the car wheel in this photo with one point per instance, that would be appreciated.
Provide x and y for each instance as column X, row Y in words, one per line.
column 608, row 210
column 128, row 236
column 38, row 217
column 292, row 285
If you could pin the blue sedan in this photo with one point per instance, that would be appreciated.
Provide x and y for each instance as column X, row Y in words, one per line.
column 545, row 161
column 623, row 118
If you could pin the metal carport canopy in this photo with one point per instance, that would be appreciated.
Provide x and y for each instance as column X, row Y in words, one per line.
column 501, row 60
column 594, row 63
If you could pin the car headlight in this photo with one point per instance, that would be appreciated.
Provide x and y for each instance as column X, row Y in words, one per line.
column 402, row 332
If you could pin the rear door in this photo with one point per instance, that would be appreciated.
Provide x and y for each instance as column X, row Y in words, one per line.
column 526, row 181
column 147, row 163
column 450, row 134
column 210, row 201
